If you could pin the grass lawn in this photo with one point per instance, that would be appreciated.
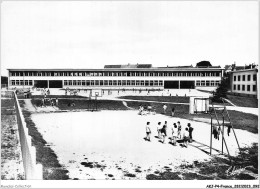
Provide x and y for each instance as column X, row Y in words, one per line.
column 239, row 120
column 86, row 104
column 243, row 101
column 177, row 99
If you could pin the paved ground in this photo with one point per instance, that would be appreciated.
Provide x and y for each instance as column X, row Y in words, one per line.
column 110, row 144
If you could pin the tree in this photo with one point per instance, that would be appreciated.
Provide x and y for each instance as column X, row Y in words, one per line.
column 221, row 91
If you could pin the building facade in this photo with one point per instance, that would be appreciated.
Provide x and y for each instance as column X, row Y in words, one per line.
column 244, row 82
column 119, row 77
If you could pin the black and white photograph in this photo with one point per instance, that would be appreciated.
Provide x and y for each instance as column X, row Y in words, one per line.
column 129, row 91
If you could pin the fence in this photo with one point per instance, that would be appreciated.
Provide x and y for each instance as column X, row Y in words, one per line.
column 32, row 170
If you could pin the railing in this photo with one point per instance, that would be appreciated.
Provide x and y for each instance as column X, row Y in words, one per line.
column 32, row 170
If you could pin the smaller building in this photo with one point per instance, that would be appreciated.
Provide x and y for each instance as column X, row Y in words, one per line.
column 244, row 81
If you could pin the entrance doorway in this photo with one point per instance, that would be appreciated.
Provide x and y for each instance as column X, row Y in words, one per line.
column 55, row 84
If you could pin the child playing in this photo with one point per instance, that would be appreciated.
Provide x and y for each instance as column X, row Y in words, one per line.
column 148, row 131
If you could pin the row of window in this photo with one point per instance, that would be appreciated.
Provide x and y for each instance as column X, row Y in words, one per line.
column 207, row 83
column 238, row 78
column 21, row 82
column 243, row 87
column 127, row 73
column 113, row 82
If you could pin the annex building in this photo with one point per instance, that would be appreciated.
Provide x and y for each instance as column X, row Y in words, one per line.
column 136, row 76
column 244, row 81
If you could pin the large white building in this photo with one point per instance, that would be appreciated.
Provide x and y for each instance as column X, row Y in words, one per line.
column 244, row 81
column 136, row 76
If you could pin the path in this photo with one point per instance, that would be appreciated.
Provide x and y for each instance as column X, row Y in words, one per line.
column 30, row 107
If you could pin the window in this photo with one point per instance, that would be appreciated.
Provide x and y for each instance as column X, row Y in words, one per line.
column 155, row 83
column 110, row 73
column 65, row 82
column 179, row 74
column 21, row 82
column 235, row 78
column 212, row 83
column 74, row 82
column 243, row 87
column 96, row 82
column 217, row 83
column 146, row 73
column 248, row 77
column 124, row 82
column 165, row 74
column 101, row 83
column 17, row 82
column 156, row 74
column 151, row 73
column 87, row 82
column 254, row 87
column 119, row 82
column 238, row 87
column 161, row 83
column 30, row 82
column 110, row 82
column 137, row 74
column 83, row 82
column 80, row 73
column 13, row 82
column 79, row 82
column 142, row 73
column 234, row 87
column 128, row 82
column 218, row 74
column 92, row 82
column 197, row 83
column 238, row 78
column 133, row 82
column 188, row 74
column 128, row 74
column 132, row 73
column 12, row 73
column 70, row 82
column 106, row 82
column 142, row 83
column 119, row 73
column 151, row 83
column 254, row 77
column 207, row 83
column 244, row 77
column 25, row 73
column 160, row 74
column 248, row 87
column 207, row 73
column 115, row 82
column 137, row 82
column 202, row 83
column 146, row 83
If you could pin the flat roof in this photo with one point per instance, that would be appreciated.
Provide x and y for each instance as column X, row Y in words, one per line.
column 121, row 69
column 245, row 70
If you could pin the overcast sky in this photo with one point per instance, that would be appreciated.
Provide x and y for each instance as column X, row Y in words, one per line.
column 94, row 33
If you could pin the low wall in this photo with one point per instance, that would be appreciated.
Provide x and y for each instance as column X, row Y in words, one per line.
column 32, row 170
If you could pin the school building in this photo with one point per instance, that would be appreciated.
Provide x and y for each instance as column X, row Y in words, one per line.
column 137, row 76
column 244, row 82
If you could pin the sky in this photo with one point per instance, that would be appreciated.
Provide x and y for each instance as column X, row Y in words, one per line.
column 91, row 34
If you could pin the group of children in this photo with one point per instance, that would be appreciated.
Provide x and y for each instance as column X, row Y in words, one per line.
column 50, row 101
column 144, row 110
column 175, row 131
